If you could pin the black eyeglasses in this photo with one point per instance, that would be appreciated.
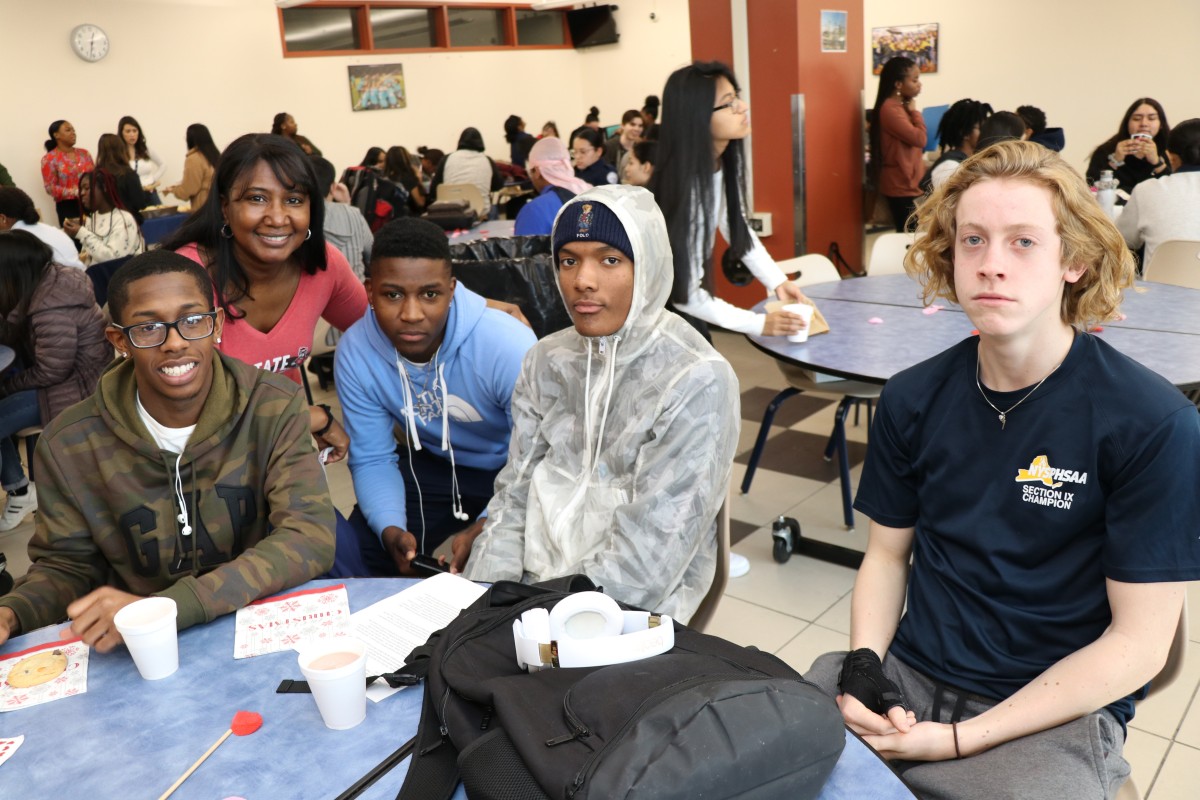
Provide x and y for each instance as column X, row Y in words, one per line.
column 152, row 334
column 736, row 101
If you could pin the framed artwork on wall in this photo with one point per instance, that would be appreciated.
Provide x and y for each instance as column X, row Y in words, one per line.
column 833, row 31
column 918, row 42
column 375, row 87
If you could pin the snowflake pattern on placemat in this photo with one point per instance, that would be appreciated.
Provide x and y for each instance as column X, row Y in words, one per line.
column 43, row 674
column 287, row 621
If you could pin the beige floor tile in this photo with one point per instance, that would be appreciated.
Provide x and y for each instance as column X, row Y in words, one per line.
column 821, row 517
column 801, row 588
column 771, row 494
column 812, row 642
column 1189, row 730
column 15, row 546
column 1145, row 752
column 751, row 625
column 1177, row 780
column 838, row 617
column 1163, row 713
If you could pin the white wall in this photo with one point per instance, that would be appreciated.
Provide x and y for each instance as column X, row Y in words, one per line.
column 220, row 62
column 1081, row 61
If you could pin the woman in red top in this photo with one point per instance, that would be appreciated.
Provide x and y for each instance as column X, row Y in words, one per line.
column 898, row 138
column 261, row 236
column 61, row 167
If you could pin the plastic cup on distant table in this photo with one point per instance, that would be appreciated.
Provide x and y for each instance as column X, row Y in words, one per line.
column 803, row 310
column 148, row 628
column 336, row 672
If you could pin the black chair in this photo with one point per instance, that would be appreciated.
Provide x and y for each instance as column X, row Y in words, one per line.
column 101, row 274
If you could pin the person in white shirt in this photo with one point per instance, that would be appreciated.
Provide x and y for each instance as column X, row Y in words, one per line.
column 142, row 160
column 1167, row 208
column 698, row 184
column 110, row 231
column 17, row 212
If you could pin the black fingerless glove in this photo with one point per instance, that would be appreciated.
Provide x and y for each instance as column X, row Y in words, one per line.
column 862, row 678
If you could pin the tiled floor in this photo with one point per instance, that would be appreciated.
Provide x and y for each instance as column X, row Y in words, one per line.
column 801, row 609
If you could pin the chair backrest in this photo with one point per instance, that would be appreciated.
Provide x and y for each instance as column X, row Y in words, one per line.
column 887, row 254
column 813, row 268
column 708, row 606
column 1176, row 261
column 100, row 274
column 1175, row 657
column 321, row 343
column 465, row 191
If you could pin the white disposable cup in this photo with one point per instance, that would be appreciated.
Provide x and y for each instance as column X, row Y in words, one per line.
column 803, row 310
column 148, row 628
column 341, row 691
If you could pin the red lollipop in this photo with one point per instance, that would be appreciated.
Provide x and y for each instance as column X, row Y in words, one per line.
column 244, row 723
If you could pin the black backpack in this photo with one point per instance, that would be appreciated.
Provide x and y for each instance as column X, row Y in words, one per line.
column 379, row 200
column 707, row 719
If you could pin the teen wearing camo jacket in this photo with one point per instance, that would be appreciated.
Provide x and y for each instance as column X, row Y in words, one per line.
column 188, row 474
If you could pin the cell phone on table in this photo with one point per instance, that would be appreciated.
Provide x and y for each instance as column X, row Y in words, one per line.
column 429, row 564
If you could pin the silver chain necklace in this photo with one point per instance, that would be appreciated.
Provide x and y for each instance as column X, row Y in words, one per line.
column 1004, row 414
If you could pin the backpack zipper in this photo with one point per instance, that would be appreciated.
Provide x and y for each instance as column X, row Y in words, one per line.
column 518, row 608
column 590, row 765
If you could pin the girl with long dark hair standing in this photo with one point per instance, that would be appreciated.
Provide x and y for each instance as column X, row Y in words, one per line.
column 199, row 166
column 898, row 137
column 699, row 184
column 142, row 160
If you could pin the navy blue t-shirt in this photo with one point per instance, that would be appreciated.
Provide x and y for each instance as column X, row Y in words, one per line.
column 1096, row 475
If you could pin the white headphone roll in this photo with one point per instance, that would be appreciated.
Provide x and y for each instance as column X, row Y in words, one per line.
column 589, row 629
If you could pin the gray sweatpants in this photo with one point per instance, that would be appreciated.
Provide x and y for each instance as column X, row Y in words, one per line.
column 1079, row 760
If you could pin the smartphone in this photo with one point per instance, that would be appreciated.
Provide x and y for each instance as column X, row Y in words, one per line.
column 429, row 564
column 1141, row 136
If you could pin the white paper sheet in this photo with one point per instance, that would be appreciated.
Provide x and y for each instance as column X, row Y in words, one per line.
column 394, row 626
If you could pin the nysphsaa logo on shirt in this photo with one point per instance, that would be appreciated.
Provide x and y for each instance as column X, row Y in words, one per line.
column 1044, row 483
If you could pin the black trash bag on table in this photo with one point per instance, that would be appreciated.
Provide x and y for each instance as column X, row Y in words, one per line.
column 518, row 270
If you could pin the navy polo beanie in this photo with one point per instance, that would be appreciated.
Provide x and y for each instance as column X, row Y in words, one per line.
column 588, row 220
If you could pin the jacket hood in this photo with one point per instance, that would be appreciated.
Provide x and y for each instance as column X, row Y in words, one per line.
column 1052, row 138
column 653, row 265
column 227, row 402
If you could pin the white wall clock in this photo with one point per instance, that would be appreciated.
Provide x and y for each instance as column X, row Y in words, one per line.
column 89, row 42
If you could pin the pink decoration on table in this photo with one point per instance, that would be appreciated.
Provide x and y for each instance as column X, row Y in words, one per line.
column 930, row 310
column 875, row 321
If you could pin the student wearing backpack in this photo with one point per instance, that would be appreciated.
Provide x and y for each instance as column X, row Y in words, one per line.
column 624, row 426
column 433, row 359
column 554, row 180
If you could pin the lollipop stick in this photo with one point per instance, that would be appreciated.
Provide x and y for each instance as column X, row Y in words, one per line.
column 193, row 768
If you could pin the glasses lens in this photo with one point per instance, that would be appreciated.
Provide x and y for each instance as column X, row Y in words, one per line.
column 195, row 326
column 151, row 334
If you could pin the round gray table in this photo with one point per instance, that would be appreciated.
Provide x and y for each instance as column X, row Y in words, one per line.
column 878, row 327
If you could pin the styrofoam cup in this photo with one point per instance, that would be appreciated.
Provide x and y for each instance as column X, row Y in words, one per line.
column 340, row 689
column 148, row 628
column 803, row 310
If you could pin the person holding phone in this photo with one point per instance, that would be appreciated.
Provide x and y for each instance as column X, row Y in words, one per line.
column 1137, row 151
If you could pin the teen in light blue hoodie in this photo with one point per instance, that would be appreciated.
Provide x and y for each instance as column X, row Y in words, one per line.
column 431, row 359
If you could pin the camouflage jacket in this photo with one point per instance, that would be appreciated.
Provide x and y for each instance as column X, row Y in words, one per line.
column 258, row 501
